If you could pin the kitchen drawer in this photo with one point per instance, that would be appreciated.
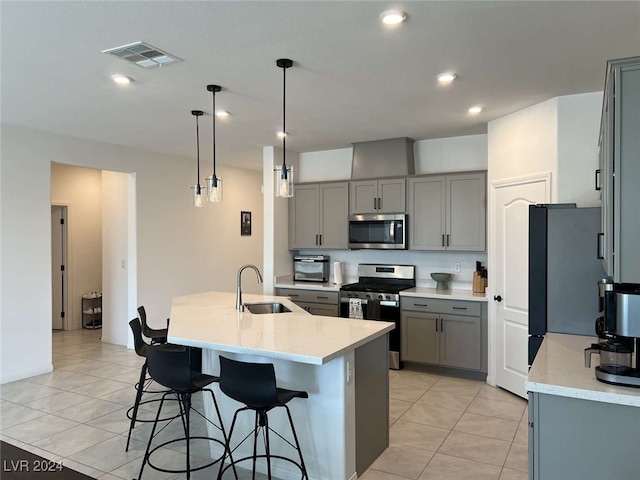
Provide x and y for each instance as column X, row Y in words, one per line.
column 315, row 296
column 435, row 305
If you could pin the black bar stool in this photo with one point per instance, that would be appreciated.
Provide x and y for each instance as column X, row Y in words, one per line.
column 169, row 366
column 144, row 381
column 156, row 335
column 254, row 384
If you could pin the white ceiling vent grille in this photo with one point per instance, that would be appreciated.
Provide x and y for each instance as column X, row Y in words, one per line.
column 143, row 55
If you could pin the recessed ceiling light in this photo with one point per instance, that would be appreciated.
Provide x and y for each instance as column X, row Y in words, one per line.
column 222, row 113
column 476, row 109
column 393, row 17
column 447, row 77
column 121, row 79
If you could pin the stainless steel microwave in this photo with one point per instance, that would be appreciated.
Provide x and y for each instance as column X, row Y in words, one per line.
column 378, row 231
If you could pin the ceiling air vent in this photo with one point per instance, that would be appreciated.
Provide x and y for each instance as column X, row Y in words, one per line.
column 143, row 55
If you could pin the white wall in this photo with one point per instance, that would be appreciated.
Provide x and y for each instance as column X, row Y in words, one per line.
column 525, row 143
column 326, row 164
column 180, row 249
column 451, row 154
column 81, row 190
column 116, row 261
column 578, row 131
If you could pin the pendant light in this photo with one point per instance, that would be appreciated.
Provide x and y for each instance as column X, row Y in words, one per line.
column 214, row 183
column 197, row 189
column 284, row 174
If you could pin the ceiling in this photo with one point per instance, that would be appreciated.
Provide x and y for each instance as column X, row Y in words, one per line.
column 353, row 78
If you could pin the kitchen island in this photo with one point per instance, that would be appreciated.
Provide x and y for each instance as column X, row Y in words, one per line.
column 579, row 428
column 341, row 363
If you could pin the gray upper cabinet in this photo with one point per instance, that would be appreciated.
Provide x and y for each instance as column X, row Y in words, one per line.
column 620, row 171
column 318, row 216
column 448, row 212
column 378, row 196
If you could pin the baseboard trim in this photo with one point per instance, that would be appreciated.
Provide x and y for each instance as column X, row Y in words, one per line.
column 13, row 377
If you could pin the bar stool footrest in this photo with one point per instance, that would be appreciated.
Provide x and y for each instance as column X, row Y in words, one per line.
column 244, row 459
column 175, row 440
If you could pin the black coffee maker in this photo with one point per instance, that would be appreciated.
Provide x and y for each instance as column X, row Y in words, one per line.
column 618, row 330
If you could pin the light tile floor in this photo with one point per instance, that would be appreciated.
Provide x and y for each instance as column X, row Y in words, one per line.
column 440, row 427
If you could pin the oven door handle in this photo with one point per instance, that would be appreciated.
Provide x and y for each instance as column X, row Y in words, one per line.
column 383, row 303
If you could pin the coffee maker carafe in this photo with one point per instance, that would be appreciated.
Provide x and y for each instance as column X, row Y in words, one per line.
column 618, row 330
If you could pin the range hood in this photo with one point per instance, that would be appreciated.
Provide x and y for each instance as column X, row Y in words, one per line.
column 383, row 158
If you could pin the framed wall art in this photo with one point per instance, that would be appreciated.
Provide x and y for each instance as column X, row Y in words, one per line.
column 245, row 223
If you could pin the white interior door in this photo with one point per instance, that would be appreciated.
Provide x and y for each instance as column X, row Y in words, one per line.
column 511, row 202
column 58, row 267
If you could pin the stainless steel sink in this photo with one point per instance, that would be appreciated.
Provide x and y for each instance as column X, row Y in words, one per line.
column 267, row 307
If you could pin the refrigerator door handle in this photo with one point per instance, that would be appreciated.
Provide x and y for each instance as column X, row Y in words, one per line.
column 599, row 255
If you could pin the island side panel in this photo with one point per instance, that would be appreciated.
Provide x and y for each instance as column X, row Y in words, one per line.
column 325, row 422
column 372, row 401
column 575, row 439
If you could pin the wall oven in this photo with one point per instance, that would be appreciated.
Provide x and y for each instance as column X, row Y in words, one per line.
column 384, row 231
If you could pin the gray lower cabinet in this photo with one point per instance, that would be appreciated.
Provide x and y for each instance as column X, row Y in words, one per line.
column 576, row 439
column 453, row 339
column 318, row 216
column 448, row 212
column 315, row 302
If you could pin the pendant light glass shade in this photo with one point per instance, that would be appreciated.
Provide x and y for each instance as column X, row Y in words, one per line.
column 197, row 188
column 214, row 183
column 197, row 195
column 214, row 189
column 284, row 174
column 284, row 181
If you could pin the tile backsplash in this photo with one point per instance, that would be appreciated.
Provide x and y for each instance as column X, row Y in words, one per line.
column 425, row 263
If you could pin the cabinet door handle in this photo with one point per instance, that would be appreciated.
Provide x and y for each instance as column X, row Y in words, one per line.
column 379, row 203
column 598, row 186
column 447, row 239
column 459, row 308
column 599, row 255
column 419, row 304
column 294, row 295
column 441, row 326
column 320, row 236
column 443, row 239
column 318, row 296
column 375, row 203
column 436, row 325
column 316, row 239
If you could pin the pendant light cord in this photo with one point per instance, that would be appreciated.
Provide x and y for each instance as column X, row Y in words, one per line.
column 198, row 152
column 215, row 179
column 284, row 122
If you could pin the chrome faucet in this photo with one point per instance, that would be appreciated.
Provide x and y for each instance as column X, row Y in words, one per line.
column 239, row 305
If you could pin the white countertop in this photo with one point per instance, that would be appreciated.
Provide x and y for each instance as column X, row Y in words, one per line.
column 467, row 295
column 210, row 320
column 558, row 369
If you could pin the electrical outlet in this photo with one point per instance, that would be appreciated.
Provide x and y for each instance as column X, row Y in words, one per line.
column 349, row 371
column 456, row 267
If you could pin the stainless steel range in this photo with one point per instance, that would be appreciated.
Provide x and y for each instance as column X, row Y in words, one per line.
column 378, row 291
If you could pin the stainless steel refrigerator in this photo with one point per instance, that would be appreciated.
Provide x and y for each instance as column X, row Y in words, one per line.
column 564, row 270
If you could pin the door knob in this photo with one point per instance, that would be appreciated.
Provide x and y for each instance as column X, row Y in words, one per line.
column 497, row 298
